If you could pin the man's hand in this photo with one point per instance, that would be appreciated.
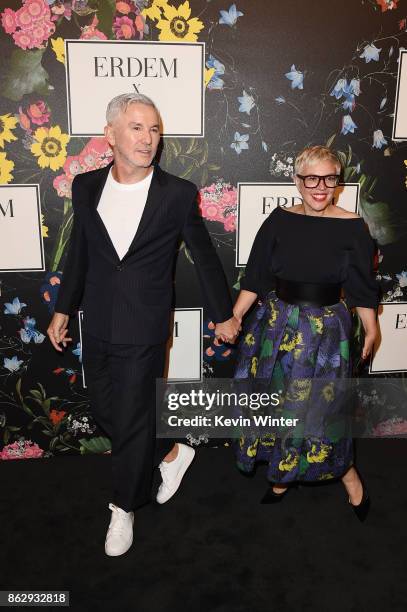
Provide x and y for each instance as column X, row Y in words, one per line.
column 57, row 330
column 227, row 331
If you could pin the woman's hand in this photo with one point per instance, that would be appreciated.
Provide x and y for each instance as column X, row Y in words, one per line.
column 368, row 318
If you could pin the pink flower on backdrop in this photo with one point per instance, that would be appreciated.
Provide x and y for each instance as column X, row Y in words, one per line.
column 61, row 10
column 24, row 120
column 211, row 211
column 63, row 185
column 31, row 25
column 39, row 112
column 23, row 449
column 123, row 28
column 37, row 9
column 96, row 154
column 218, row 203
column 90, row 32
column 24, row 40
column 8, row 21
column 125, row 7
column 73, row 166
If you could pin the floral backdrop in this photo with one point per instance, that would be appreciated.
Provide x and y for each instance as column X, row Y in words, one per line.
column 279, row 76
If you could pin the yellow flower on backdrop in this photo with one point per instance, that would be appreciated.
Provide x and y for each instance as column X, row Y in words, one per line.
column 177, row 24
column 44, row 228
column 58, row 48
column 50, row 147
column 209, row 72
column 7, row 123
column 153, row 9
column 6, row 166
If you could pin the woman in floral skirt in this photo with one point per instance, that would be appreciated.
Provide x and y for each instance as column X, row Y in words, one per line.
column 309, row 265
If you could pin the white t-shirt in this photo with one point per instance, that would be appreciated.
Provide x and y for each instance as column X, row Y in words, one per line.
column 120, row 207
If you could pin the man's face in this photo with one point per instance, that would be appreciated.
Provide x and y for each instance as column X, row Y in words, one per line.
column 135, row 135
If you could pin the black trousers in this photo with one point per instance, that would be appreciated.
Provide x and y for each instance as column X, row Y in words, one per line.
column 121, row 380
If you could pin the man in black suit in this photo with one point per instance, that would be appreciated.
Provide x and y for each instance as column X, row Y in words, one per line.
column 128, row 219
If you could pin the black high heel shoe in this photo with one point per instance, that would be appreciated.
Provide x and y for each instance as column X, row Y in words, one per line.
column 273, row 498
column 362, row 509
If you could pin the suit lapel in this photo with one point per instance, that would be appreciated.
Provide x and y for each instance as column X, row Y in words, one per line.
column 154, row 198
column 94, row 199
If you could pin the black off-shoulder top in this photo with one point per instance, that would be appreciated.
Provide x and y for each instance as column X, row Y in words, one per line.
column 305, row 248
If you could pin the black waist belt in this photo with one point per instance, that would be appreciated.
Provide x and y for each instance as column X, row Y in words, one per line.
column 315, row 294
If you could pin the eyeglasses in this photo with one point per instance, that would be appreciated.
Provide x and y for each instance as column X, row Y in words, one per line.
column 312, row 180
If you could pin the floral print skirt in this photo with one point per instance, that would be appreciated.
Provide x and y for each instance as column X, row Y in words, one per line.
column 302, row 354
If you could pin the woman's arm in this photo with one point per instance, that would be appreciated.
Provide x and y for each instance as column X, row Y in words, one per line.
column 243, row 303
column 368, row 318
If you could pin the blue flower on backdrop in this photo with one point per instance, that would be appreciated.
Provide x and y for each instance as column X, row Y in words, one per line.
column 240, row 142
column 14, row 308
column 78, row 351
column 30, row 333
column 402, row 278
column 378, row 139
column 49, row 289
column 370, row 52
column 216, row 82
column 354, row 87
column 246, row 103
column 340, row 89
column 230, row 17
column 13, row 364
column 296, row 77
column 348, row 125
column 349, row 102
column 280, row 100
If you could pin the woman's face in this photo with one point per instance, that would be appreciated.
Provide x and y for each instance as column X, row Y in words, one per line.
column 319, row 197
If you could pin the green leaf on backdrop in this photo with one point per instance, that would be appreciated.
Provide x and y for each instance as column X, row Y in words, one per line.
column 23, row 74
column 106, row 11
column 95, row 445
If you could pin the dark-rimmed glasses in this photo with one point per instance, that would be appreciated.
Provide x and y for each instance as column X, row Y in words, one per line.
column 313, row 180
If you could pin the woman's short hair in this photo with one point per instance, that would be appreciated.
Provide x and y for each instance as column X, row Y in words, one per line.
column 315, row 154
column 119, row 104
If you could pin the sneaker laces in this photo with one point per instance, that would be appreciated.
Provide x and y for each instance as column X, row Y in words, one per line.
column 118, row 519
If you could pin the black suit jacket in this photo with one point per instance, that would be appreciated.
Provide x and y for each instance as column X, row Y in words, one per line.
column 130, row 300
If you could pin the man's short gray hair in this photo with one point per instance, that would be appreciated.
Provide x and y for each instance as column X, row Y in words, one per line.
column 119, row 104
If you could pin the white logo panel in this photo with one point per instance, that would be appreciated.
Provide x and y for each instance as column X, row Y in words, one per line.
column 21, row 243
column 389, row 352
column 400, row 107
column 172, row 74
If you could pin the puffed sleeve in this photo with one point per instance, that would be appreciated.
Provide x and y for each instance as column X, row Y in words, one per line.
column 361, row 288
column 258, row 276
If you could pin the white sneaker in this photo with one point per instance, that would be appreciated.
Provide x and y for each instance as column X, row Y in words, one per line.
column 119, row 536
column 173, row 472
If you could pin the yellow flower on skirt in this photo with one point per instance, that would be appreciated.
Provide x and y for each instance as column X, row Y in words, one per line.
column 318, row 456
column 289, row 345
column 299, row 390
column 252, row 450
column 249, row 339
column 50, row 147
column 7, row 123
column 289, row 462
column 328, row 392
column 177, row 24
column 254, row 365
column 6, row 166
column 153, row 8
column 274, row 314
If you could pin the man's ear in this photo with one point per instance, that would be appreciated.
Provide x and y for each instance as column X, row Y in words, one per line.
column 109, row 134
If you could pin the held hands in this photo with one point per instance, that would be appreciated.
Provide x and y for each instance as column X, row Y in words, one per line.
column 57, row 330
column 227, row 331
